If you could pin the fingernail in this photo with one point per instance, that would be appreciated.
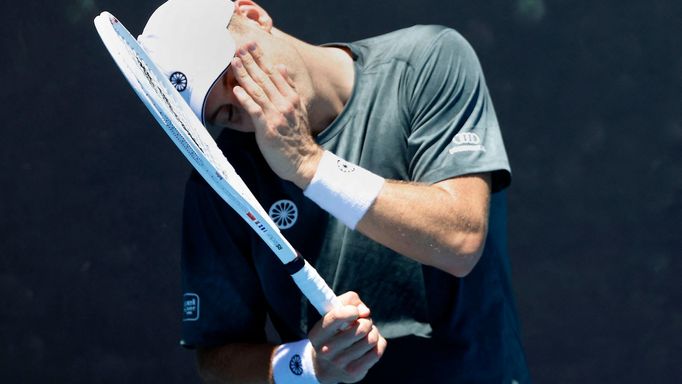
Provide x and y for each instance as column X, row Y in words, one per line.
column 252, row 47
column 242, row 52
column 237, row 63
column 363, row 308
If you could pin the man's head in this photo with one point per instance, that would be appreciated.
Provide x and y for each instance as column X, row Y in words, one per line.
column 193, row 41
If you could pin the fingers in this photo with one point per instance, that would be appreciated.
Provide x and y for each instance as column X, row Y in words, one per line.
column 352, row 298
column 340, row 319
column 285, row 75
column 351, row 362
column 250, row 106
column 364, row 363
column 337, row 319
column 343, row 350
column 277, row 73
column 249, row 85
column 344, row 339
column 262, row 81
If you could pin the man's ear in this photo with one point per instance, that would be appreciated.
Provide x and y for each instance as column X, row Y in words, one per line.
column 254, row 13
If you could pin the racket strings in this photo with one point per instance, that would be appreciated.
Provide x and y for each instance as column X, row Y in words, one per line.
column 191, row 137
column 211, row 152
column 198, row 135
column 161, row 92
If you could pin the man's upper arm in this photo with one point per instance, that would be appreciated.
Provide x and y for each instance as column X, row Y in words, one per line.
column 454, row 128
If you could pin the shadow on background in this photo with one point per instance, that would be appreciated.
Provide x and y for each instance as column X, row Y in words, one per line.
column 589, row 96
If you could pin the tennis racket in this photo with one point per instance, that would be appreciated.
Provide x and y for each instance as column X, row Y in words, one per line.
column 176, row 117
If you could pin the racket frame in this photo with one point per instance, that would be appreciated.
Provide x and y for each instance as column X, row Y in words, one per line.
column 177, row 119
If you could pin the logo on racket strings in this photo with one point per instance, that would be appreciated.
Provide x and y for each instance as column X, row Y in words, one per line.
column 179, row 81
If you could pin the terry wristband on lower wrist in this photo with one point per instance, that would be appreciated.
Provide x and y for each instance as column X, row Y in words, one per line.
column 343, row 189
column 292, row 363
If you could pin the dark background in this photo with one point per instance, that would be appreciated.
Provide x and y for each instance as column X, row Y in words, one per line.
column 589, row 95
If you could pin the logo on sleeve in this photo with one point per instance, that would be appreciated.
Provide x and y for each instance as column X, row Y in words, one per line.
column 466, row 142
column 190, row 307
column 284, row 213
column 296, row 365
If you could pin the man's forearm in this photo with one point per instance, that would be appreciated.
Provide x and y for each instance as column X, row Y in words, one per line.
column 443, row 225
column 236, row 363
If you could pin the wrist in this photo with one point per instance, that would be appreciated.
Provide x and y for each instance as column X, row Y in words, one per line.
column 308, row 166
column 345, row 190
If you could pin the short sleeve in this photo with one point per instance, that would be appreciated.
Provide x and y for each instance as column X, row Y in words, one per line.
column 454, row 129
column 222, row 298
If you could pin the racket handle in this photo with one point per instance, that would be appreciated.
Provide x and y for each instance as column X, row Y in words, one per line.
column 315, row 289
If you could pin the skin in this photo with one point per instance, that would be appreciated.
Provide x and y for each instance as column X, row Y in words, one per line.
column 346, row 345
column 286, row 92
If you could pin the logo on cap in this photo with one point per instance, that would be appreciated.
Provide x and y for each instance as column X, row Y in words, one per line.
column 179, row 81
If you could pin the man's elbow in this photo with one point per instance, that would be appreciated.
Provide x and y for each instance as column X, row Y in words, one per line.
column 463, row 252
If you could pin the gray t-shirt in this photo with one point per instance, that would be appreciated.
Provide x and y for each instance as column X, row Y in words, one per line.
column 420, row 111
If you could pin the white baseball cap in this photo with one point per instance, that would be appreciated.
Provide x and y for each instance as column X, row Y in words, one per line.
column 189, row 41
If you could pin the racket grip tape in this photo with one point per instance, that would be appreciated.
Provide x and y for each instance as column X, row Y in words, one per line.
column 313, row 286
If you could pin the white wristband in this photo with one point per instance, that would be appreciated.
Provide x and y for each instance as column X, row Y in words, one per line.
column 292, row 363
column 343, row 189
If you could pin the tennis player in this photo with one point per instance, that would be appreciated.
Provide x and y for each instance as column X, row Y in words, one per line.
column 382, row 162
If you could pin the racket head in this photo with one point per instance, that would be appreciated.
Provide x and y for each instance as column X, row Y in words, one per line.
column 177, row 118
column 115, row 36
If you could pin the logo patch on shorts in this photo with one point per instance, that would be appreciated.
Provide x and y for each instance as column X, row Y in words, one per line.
column 466, row 142
column 190, row 307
